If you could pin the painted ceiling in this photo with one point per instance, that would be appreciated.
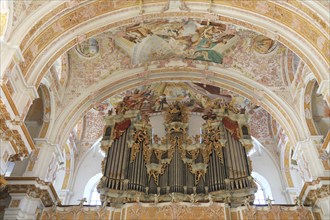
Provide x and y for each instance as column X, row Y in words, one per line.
column 190, row 41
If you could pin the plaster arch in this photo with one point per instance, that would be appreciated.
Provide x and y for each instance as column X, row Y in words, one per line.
column 312, row 11
column 39, row 124
column 62, row 173
column 90, row 186
column 225, row 78
column 35, row 68
column 51, row 106
column 15, row 35
column 305, row 105
column 319, row 109
column 262, row 181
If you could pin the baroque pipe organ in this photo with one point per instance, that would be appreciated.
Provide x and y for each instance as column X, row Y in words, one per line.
column 210, row 166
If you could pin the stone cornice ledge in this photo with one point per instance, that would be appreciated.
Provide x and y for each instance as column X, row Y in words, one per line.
column 33, row 187
column 314, row 190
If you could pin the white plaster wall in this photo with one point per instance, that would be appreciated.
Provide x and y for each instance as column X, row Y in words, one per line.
column 155, row 121
column 298, row 182
column 89, row 166
column 195, row 124
column 263, row 164
column 195, row 121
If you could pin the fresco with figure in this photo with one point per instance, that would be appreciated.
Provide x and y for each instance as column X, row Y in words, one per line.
column 161, row 42
column 201, row 40
column 197, row 97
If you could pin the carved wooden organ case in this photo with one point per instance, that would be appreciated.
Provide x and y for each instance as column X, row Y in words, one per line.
column 143, row 167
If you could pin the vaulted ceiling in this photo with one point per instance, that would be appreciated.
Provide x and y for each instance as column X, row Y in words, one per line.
column 88, row 51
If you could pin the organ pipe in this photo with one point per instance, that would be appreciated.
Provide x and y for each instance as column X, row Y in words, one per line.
column 139, row 165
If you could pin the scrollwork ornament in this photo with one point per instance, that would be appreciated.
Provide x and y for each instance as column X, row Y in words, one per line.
column 159, row 154
column 140, row 137
column 193, row 154
column 198, row 175
column 147, row 154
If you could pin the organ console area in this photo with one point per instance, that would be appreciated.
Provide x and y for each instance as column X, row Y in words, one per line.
column 176, row 153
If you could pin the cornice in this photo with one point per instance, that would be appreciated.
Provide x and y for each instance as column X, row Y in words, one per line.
column 33, row 187
column 314, row 190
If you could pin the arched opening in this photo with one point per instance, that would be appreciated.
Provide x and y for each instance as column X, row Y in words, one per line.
column 266, row 170
column 35, row 116
column 86, row 176
column 90, row 191
column 264, row 191
column 38, row 117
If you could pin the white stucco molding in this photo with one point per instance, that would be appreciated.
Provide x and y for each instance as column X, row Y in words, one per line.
column 53, row 106
column 318, row 8
column 44, row 157
column 16, row 35
column 307, row 156
column 9, row 52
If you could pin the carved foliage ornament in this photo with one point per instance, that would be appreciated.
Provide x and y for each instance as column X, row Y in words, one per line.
column 176, row 112
column 140, row 137
column 212, row 139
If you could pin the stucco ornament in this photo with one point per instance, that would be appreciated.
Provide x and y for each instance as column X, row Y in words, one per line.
column 88, row 48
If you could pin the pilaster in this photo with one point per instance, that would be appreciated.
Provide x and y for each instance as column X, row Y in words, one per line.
column 8, row 53
column 43, row 161
column 308, row 160
column 64, row 196
column 21, row 93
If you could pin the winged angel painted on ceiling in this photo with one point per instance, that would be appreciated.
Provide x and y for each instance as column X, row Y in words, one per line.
column 189, row 40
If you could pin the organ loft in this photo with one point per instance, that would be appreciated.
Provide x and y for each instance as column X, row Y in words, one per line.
column 160, row 150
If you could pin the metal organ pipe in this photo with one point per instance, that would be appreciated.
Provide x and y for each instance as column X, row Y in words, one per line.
column 186, row 166
column 121, row 157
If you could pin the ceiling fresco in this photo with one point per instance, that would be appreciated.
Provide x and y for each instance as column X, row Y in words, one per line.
column 188, row 40
column 196, row 40
column 228, row 46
